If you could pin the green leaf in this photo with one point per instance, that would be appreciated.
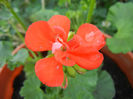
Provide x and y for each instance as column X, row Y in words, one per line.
column 31, row 88
column 29, row 68
column 121, row 17
column 82, row 86
column 21, row 56
column 36, row 92
column 118, row 45
column 5, row 52
column 43, row 15
column 105, row 87
column 53, row 93
column 18, row 59
column 63, row 3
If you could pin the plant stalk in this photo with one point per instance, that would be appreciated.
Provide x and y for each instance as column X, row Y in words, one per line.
column 18, row 33
column 7, row 4
column 91, row 9
column 34, row 55
column 43, row 4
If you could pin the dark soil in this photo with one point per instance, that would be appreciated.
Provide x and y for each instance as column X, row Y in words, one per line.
column 18, row 83
column 122, row 86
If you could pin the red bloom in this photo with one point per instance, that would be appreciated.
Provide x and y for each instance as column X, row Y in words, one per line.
column 52, row 35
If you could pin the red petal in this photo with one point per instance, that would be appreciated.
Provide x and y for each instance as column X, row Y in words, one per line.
column 76, row 42
column 61, row 24
column 87, row 58
column 49, row 72
column 92, row 35
column 39, row 36
column 62, row 57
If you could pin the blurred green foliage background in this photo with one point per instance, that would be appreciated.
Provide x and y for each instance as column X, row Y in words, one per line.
column 78, row 11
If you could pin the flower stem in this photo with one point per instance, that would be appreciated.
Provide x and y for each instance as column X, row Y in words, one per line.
column 7, row 4
column 51, row 55
column 43, row 4
column 18, row 33
column 34, row 55
column 91, row 9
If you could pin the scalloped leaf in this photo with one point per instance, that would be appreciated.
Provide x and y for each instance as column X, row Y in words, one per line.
column 105, row 87
column 121, row 17
column 82, row 86
column 5, row 52
column 31, row 88
column 18, row 59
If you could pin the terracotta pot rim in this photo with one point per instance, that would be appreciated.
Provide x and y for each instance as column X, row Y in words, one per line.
column 124, row 61
column 7, row 77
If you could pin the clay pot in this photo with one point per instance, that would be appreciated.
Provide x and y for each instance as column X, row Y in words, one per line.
column 7, row 78
column 124, row 61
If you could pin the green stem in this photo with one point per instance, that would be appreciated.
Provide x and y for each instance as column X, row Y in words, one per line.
column 34, row 55
column 51, row 55
column 43, row 4
column 40, row 55
column 18, row 33
column 7, row 4
column 91, row 9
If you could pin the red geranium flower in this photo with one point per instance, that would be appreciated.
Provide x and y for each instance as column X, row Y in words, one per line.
column 52, row 35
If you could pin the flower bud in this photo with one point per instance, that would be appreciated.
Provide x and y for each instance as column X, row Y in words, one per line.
column 79, row 69
column 70, row 35
column 71, row 71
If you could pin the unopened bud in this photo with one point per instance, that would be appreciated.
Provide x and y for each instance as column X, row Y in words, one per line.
column 71, row 71
column 70, row 35
column 79, row 69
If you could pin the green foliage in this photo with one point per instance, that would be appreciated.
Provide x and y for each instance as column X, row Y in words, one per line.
column 31, row 88
column 121, row 17
column 81, row 86
column 91, row 85
column 78, row 14
column 86, row 86
column 21, row 56
column 43, row 15
column 99, row 16
column 4, row 18
column 5, row 52
column 77, row 18
column 84, row 4
column 53, row 93
column 29, row 68
column 4, row 27
column 105, row 87
column 18, row 59
column 63, row 3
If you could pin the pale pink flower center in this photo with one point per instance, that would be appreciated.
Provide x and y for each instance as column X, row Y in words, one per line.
column 56, row 46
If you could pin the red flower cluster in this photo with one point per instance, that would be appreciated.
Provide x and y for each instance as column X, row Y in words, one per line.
column 82, row 49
